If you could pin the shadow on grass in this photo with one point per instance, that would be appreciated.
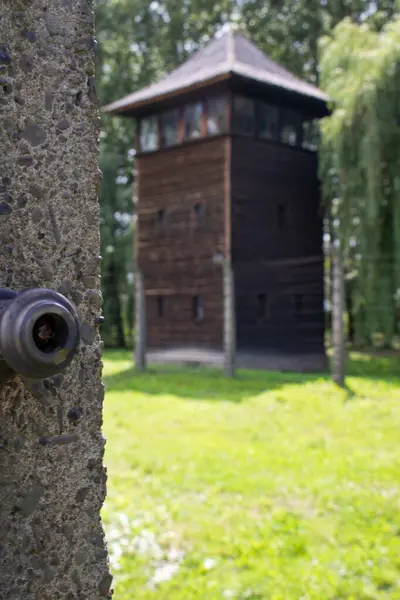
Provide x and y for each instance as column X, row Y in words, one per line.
column 196, row 382
column 350, row 393
column 375, row 365
column 202, row 383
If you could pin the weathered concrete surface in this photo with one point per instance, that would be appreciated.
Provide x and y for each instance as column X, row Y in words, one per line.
column 52, row 482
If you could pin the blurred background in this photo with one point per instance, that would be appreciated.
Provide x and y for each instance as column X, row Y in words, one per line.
column 350, row 49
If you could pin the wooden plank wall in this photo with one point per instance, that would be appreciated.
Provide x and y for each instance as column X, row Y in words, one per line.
column 175, row 256
column 282, row 261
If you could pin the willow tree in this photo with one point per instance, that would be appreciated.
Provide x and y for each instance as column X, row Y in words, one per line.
column 360, row 166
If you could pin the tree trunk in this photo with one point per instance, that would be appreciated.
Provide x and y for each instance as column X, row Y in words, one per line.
column 229, row 320
column 140, row 323
column 113, row 287
column 52, row 482
column 338, row 308
column 350, row 315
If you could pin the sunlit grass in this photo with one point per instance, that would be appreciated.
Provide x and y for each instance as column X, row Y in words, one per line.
column 269, row 486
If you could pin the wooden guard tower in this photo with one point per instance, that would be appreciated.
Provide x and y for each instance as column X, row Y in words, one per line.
column 229, row 235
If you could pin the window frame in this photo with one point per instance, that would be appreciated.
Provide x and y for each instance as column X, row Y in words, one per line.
column 226, row 99
column 185, row 108
column 178, row 113
column 233, row 127
column 267, row 105
column 199, row 215
column 161, row 220
column 313, row 123
column 197, row 309
column 160, row 306
column 263, row 302
column 140, row 122
column 226, row 121
column 290, row 117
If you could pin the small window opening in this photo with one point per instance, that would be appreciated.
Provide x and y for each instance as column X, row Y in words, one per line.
column 192, row 119
column 289, row 135
column 281, row 216
column 199, row 214
column 290, row 127
column 149, row 134
column 198, row 308
column 170, row 128
column 162, row 216
column 243, row 115
column 310, row 135
column 262, row 306
column 217, row 115
column 160, row 307
column 268, row 122
column 298, row 306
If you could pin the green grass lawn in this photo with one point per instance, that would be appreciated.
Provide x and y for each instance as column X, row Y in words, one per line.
column 269, row 486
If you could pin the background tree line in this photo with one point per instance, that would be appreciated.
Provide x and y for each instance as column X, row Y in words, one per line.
column 348, row 47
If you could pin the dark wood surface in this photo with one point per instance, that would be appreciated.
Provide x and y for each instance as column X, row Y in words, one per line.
column 277, row 247
column 270, row 224
column 175, row 247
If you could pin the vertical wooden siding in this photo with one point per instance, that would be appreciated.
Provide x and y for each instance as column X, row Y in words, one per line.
column 277, row 247
column 175, row 255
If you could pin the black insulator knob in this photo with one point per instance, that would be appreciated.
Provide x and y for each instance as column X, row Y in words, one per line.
column 39, row 332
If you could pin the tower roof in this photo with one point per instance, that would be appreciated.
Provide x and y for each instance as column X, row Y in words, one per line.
column 223, row 58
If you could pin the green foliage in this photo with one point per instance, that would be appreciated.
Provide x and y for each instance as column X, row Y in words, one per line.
column 116, row 228
column 360, row 154
column 268, row 486
column 289, row 31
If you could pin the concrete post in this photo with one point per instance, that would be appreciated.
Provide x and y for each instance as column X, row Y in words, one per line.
column 140, row 323
column 338, row 309
column 229, row 321
column 52, row 481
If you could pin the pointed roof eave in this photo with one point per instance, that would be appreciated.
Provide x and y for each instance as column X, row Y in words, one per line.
column 206, row 77
column 156, row 93
column 297, row 85
column 159, row 91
